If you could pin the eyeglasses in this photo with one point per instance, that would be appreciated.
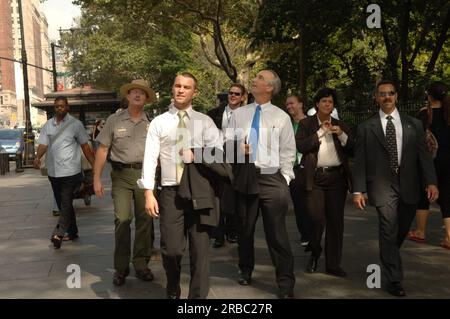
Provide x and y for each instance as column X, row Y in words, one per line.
column 234, row 93
column 389, row 93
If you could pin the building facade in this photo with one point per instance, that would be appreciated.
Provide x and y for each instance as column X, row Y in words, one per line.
column 38, row 53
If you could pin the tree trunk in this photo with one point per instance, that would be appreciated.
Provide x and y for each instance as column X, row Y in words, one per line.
column 302, row 67
column 440, row 43
column 390, row 50
column 404, row 51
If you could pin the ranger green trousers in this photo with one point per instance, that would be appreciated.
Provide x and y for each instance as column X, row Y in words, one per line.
column 125, row 194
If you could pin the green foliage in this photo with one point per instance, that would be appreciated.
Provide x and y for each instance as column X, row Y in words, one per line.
column 310, row 44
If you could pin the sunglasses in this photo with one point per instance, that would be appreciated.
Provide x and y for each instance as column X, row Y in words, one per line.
column 389, row 93
column 234, row 93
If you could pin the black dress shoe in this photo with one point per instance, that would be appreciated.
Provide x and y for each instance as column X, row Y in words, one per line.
column 145, row 274
column 119, row 277
column 286, row 295
column 338, row 272
column 311, row 267
column 245, row 279
column 232, row 238
column 55, row 212
column 174, row 294
column 218, row 243
column 396, row 290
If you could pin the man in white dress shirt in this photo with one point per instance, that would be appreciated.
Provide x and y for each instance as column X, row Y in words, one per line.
column 170, row 138
column 268, row 139
column 229, row 221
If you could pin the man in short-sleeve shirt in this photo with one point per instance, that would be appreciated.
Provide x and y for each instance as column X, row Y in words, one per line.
column 124, row 135
column 61, row 138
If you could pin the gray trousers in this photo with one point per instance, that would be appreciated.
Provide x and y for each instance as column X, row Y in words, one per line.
column 180, row 225
column 395, row 219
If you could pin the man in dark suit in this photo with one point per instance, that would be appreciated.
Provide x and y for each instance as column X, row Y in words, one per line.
column 390, row 153
column 228, row 224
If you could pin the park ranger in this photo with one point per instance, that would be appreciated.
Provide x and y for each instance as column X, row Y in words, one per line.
column 122, row 141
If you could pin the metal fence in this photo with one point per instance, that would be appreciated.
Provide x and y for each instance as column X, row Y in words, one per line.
column 355, row 115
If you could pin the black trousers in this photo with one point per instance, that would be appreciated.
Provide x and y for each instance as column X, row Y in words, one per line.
column 273, row 200
column 179, row 224
column 63, row 188
column 229, row 219
column 298, row 195
column 325, row 204
column 395, row 219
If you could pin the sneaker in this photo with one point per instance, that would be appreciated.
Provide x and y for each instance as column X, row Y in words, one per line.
column 56, row 241
column 68, row 237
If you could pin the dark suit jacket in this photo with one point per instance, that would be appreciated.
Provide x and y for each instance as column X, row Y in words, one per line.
column 200, row 185
column 371, row 171
column 308, row 144
column 216, row 114
column 245, row 180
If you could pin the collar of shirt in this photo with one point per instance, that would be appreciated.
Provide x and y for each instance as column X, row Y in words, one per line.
column 320, row 122
column 395, row 115
column 174, row 111
column 125, row 115
column 264, row 106
column 64, row 120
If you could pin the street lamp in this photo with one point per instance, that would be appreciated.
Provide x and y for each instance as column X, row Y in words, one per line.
column 29, row 136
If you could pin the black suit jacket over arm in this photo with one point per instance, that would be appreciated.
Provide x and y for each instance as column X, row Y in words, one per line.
column 200, row 184
column 308, row 144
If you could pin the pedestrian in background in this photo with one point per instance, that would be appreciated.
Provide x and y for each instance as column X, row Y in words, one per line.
column 60, row 139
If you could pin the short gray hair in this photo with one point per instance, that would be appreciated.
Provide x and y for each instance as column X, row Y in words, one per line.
column 276, row 83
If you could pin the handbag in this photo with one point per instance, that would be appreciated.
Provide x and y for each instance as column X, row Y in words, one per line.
column 430, row 139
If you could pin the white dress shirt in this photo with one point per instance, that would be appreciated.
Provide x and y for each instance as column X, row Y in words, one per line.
column 226, row 117
column 327, row 155
column 398, row 129
column 161, row 143
column 276, row 142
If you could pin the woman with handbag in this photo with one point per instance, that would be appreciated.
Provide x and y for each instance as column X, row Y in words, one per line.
column 436, row 120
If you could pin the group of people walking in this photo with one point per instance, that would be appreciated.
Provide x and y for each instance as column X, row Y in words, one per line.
column 212, row 174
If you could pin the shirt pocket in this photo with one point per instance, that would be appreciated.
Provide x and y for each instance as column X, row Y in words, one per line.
column 122, row 139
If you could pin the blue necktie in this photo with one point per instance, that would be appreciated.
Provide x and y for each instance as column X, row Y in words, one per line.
column 254, row 133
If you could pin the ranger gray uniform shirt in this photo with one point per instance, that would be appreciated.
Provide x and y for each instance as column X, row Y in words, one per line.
column 125, row 137
column 63, row 156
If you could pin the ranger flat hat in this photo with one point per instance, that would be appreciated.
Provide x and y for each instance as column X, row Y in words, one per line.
column 139, row 84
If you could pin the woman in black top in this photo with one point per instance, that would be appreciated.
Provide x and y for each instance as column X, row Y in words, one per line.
column 439, row 100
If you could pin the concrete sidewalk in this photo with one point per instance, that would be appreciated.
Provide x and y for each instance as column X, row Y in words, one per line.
column 31, row 268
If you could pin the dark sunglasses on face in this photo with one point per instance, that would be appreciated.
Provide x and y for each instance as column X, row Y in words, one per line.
column 384, row 94
column 234, row 93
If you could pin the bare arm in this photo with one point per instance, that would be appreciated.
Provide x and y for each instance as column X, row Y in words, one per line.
column 88, row 153
column 99, row 163
column 40, row 152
